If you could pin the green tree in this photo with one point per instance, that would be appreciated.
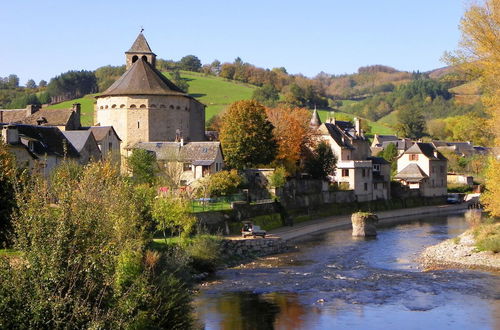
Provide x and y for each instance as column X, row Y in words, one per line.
column 321, row 162
column 31, row 84
column 411, row 123
column 83, row 260
column 267, row 95
column 13, row 81
column 247, row 135
column 42, row 84
column 190, row 63
column 222, row 183
column 173, row 214
column 142, row 164
column 179, row 81
column 390, row 154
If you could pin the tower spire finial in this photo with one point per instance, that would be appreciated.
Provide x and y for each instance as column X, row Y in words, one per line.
column 142, row 28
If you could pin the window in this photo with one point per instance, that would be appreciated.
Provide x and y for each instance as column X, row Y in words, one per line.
column 376, row 167
column 142, row 106
column 413, row 157
column 375, row 186
column 186, row 167
column 138, row 125
column 113, row 106
column 110, row 145
column 122, row 106
column 345, row 172
column 133, row 106
column 363, row 172
column 366, row 186
column 441, row 169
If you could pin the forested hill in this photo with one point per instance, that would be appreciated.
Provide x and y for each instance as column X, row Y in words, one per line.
column 413, row 103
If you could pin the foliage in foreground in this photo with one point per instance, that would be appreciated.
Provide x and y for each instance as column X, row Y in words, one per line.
column 487, row 237
column 83, row 259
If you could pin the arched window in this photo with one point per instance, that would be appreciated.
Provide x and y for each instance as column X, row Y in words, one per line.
column 105, row 107
column 101, row 107
column 113, row 106
column 178, row 107
column 144, row 58
column 133, row 106
column 162, row 106
column 135, row 58
column 142, row 106
column 122, row 106
column 152, row 106
column 171, row 106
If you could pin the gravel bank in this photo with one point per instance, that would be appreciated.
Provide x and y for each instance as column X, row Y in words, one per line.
column 459, row 252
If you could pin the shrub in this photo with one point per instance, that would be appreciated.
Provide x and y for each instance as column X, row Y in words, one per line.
column 204, row 251
column 278, row 178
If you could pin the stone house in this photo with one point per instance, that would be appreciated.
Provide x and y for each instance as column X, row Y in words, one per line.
column 47, row 143
column 25, row 158
column 424, row 168
column 85, row 144
column 144, row 106
column 108, row 142
column 355, row 167
column 64, row 119
column 191, row 161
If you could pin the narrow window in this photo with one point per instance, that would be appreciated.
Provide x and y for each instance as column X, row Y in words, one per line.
column 366, row 186
column 138, row 125
column 110, row 146
column 345, row 172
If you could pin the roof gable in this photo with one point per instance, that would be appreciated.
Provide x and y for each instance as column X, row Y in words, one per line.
column 48, row 140
column 101, row 132
column 412, row 172
column 426, row 149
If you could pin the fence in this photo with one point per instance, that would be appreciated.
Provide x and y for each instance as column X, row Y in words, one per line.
column 215, row 203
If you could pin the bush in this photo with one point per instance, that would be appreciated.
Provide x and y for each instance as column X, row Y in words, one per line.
column 83, row 261
column 488, row 237
column 204, row 252
column 278, row 178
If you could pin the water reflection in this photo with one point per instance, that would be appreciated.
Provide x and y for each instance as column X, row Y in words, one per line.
column 337, row 281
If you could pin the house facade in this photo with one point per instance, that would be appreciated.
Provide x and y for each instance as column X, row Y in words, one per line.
column 424, row 168
column 108, row 142
column 355, row 167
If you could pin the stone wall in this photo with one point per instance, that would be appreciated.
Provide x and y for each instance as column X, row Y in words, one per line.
column 256, row 247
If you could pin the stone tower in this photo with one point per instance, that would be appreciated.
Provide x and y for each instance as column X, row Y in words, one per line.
column 144, row 106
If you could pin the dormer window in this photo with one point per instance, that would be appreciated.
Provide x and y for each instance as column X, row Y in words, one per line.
column 413, row 156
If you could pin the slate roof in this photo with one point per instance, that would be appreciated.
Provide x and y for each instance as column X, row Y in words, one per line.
column 197, row 151
column 142, row 79
column 47, row 140
column 12, row 116
column 427, row 149
column 140, row 45
column 337, row 135
column 77, row 138
column 411, row 173
column 100, row 132
column 378, row 160
column 190, row 152
column 383, row 138
column 51, row 117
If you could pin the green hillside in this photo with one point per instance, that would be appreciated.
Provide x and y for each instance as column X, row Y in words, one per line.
column 376, row 128
column 216, row 93
column 87, row 108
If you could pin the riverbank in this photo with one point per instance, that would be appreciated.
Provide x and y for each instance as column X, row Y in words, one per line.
column 459, row 252
column 304, row 230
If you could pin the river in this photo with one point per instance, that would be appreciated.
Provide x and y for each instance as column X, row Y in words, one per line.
column 336, row 281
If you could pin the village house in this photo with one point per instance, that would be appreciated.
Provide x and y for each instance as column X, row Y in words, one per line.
column 189, row 162
column 424, row 168
column 108, row 142
column 85, row 144
column 25, row 158
column 47, row 146
column 356, row 169
column 63, row 119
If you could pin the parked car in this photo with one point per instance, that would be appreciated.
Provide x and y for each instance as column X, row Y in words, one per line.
column 249, row 229
column 454, row 199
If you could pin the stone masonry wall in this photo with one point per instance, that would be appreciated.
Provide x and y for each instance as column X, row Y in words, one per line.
column 253, row 247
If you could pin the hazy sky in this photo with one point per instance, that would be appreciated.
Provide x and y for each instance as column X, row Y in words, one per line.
column 41, row 39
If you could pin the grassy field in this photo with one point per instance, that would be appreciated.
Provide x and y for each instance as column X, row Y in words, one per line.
column 87, row 108
column 216, row 93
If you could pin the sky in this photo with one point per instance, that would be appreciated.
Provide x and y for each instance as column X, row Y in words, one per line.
column 42, row 39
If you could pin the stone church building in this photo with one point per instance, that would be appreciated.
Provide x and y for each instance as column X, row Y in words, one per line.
column 144, row 106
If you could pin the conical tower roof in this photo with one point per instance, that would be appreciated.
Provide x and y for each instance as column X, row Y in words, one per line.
column 140, row 45
column 142, row 79
column 315, row 120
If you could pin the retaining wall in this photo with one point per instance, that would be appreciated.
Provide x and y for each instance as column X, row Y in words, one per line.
column 253, row 247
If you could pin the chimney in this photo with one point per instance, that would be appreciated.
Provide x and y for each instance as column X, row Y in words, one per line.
column 357, row 126
column 77, row 109
column 31, row 109
column 182, row 141
column 10, row 134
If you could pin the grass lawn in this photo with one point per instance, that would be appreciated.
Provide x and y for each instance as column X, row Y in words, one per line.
column 87, row 108
column 390, row 119
column 197, row 206
column 216, row 93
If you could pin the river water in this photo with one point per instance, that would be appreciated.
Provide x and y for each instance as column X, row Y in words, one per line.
column 336, row 281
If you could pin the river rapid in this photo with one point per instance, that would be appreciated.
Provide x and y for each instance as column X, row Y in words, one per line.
column 336, row 281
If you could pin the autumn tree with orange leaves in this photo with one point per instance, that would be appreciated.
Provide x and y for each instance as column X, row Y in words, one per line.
column 292, row 134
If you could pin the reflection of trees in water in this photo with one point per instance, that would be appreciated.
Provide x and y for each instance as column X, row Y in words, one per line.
column 254, row 311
